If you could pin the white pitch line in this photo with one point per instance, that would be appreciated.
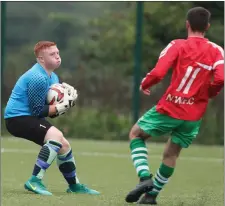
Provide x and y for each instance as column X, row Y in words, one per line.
column 100, row 154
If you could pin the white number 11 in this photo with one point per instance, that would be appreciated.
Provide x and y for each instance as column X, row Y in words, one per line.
column 183, row 81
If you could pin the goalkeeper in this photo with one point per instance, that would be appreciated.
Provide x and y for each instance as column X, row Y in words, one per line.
column 25, row 118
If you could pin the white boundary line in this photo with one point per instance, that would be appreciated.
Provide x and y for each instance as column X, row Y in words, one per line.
column 114, row 155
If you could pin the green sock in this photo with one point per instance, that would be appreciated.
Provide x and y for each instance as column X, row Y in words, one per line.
column 161, row 178
column 139, row 155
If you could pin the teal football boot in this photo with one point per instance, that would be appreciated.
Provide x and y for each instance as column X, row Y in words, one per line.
column 81, row 189
column 36, row 186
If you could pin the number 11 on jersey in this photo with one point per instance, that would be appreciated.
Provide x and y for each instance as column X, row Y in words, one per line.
column 190, row 82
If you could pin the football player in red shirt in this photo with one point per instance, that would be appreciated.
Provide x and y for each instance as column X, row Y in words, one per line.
column 195, row 61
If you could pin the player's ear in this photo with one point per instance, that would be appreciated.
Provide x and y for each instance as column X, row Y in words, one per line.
column 187, row 25
column 207, row 28
column 40, row 59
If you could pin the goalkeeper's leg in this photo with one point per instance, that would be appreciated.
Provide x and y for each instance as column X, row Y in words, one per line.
column 52, row 144
column 67, row 166
column 41, row 132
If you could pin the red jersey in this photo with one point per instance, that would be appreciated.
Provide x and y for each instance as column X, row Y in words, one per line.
column 198, row 74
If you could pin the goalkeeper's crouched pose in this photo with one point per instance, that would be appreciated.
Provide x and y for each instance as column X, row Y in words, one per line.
column 25, row 118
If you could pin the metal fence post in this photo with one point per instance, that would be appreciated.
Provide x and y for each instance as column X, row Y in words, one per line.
column 137, row 60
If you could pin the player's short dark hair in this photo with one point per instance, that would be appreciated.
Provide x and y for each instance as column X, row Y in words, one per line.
column 198, row 17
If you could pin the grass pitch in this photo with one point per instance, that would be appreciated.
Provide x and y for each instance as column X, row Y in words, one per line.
column 107, row 167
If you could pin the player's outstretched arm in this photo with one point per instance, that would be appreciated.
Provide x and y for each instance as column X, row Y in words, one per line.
column 166, row 59
column 218, row 73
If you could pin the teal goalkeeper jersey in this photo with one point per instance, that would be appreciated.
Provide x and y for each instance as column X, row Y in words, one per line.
column 28, row 97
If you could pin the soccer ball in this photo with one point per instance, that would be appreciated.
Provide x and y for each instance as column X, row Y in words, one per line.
column 55, row 94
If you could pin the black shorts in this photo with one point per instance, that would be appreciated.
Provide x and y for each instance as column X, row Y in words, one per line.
column 28, row 127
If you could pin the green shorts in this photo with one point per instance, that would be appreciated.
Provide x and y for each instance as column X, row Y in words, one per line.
column 156, row 124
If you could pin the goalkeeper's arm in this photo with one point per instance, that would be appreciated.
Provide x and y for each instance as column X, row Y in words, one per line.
column 37, row 92
column 54, row 110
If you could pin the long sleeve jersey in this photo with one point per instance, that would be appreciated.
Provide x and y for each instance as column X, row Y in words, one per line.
column 198, row 75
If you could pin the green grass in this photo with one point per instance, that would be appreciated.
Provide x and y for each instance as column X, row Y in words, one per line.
column 106, row 167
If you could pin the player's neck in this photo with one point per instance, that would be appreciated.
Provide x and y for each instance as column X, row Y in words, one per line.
column 196, row 34
column 49, row 71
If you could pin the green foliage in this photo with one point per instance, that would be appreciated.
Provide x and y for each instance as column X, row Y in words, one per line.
column 94, row 123
column 105, row 124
